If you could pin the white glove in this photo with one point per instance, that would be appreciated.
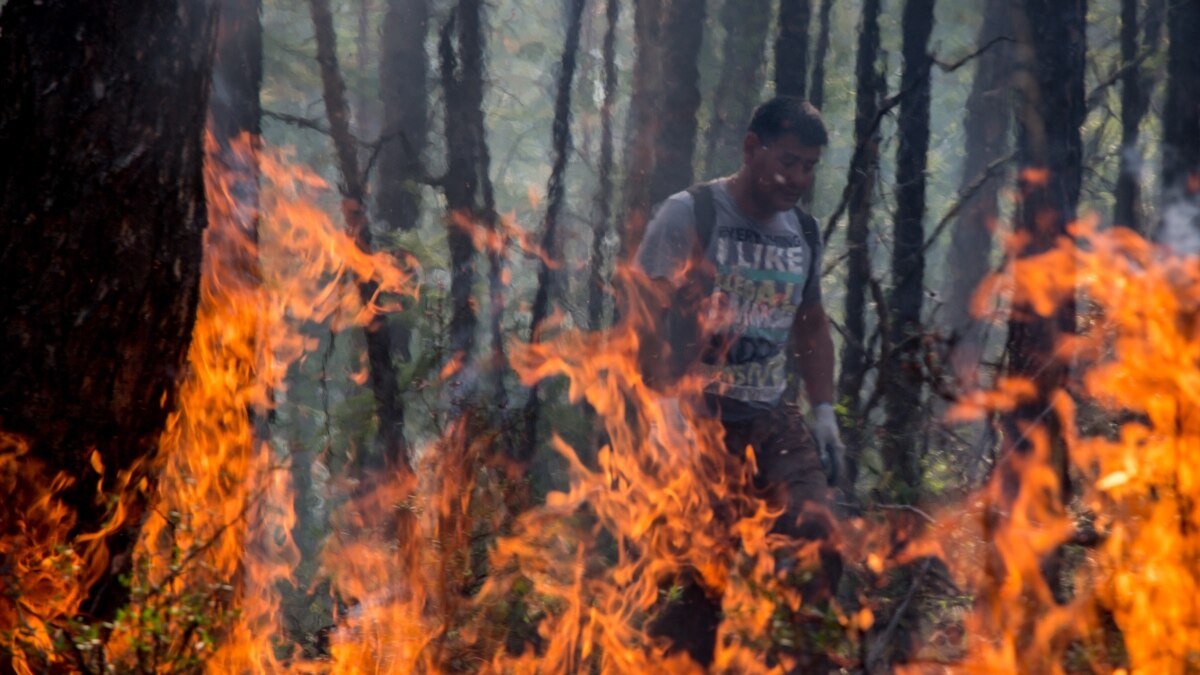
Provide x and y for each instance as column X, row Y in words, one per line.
column 829, row 443
column 674, row 432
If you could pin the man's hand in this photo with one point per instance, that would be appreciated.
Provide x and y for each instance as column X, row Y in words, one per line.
column 829, row 443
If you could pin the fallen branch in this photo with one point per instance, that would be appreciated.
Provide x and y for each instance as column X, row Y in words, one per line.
column 883, row 639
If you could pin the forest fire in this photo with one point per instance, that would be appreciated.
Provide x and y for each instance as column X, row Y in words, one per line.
column 439, row 569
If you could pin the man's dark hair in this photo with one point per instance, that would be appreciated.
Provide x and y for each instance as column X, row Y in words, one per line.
column 789, row 115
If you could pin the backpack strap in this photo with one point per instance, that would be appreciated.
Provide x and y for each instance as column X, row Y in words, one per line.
column 705, row 211
column 808, row 225
column 812, row 235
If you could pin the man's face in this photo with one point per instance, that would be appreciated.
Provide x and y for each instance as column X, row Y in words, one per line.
column 781, row 171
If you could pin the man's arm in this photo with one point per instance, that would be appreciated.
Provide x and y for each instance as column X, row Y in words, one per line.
column 662, row 260
column 813, row 351
column 812, row 346
column 649, row 320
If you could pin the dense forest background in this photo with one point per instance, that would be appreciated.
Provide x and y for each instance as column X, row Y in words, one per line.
column 494, row 165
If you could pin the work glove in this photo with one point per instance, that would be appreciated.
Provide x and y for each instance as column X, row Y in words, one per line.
column 829, row 443
column 674, row 432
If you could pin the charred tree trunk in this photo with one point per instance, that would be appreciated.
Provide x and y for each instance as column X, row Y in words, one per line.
column 403, row 86
column 860, row 188
column 742, row 66
column 235, row 122
column 986, row 129
column 596, row 289
column 468, row 189
column 555, row 191
column 1181, row 128
column 403, row 75
column 1133, row 107
column 791, row 47
column 234, row 107
column 102, row 205
column 816, row 94
column 388, row 406
column 1051, row 108
column 902, row 367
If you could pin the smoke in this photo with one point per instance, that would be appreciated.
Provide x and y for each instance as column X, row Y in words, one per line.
column 1180, row 228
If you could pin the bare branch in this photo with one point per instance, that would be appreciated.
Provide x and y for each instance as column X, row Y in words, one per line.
column 965, row 195
column 955, row 65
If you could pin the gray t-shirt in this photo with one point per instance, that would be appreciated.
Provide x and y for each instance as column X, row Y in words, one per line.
column 764, row 273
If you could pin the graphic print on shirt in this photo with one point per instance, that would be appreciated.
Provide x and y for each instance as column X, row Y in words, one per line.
column 759, row 284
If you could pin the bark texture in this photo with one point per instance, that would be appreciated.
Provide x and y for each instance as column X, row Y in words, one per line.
column 102, row 213
column 902, row 368
column 389, row 409
column 791, row 48
column 860, row 187
column 102, row 220
column 743, row 64
column 597, row 287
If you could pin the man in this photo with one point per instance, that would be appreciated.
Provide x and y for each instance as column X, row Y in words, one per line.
column 739, row 255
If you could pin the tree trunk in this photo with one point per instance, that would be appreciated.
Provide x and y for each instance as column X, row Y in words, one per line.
column 986, row 130
column 234, row 119
column 816, row 94
column 388, row 406
column 661, row 132
column 555, row 191
column 235, row 122
column 596, row 289
column 1051, row 108
column 791, row 47
column 403, row 89
column 1181, row 128
column 102, row 217
column 1050, row 105
column 902, row 367
column 641, row 127
column 860, row 187
column 403, row 76
column 468, row 190
column 742, row 66
column 1132, row 109
column 364, row 120
column 234, row 107
column 683, row 28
